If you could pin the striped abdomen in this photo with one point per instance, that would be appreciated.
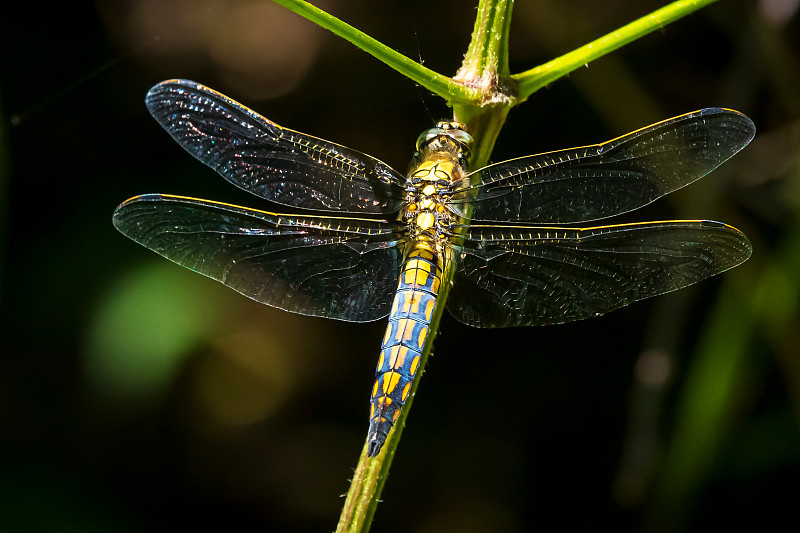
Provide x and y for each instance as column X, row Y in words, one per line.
column 404, row 340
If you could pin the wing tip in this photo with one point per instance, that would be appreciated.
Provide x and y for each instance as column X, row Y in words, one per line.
column 168, row 85
column 117, row 218
column 165, row 91
column 738, row 121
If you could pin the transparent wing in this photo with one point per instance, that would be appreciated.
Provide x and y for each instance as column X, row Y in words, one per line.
column 602, row 180
column 521, row 276
column 275, row 163
column 343, row 268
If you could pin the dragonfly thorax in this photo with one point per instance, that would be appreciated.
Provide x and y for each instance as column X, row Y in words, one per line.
column 429, row 187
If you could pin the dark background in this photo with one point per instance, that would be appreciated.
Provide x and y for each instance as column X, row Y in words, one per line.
column 138, row 396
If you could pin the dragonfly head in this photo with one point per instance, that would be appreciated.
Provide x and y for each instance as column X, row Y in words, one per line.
column 446, row 136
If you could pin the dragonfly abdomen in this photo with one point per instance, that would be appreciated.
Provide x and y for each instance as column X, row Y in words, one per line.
column 403, row 343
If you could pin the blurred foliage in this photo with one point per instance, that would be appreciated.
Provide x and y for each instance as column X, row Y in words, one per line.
column 145, row 328
column 136, row 396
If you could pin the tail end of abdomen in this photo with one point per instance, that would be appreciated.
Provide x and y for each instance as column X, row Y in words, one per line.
column 389, row 394
column 375, row 443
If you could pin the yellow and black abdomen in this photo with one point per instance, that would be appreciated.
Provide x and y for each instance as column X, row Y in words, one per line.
column 409, row 321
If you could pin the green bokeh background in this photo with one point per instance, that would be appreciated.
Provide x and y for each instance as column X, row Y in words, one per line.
column 138, row 396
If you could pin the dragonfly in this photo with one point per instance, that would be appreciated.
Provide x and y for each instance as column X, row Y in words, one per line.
column 370, row 242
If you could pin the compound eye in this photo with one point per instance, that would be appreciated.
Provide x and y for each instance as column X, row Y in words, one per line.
column 427, row 135
column 461, row 136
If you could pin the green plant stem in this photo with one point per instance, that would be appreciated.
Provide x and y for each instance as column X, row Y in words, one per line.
column 488, row 48
column 485, row 69
column 534, row 79
column 433, row 81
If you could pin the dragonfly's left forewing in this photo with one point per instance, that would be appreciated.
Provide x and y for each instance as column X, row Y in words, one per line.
column 270, row 161
column 343, row 268
column 523, row 276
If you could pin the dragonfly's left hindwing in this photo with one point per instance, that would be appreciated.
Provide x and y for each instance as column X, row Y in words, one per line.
column 341, row 268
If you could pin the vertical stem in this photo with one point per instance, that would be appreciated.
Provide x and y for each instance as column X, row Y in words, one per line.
column 485, row 65
column 485, row 69
column 488, row 49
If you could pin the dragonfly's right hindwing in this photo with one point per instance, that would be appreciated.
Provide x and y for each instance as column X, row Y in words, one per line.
column 533, row 276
